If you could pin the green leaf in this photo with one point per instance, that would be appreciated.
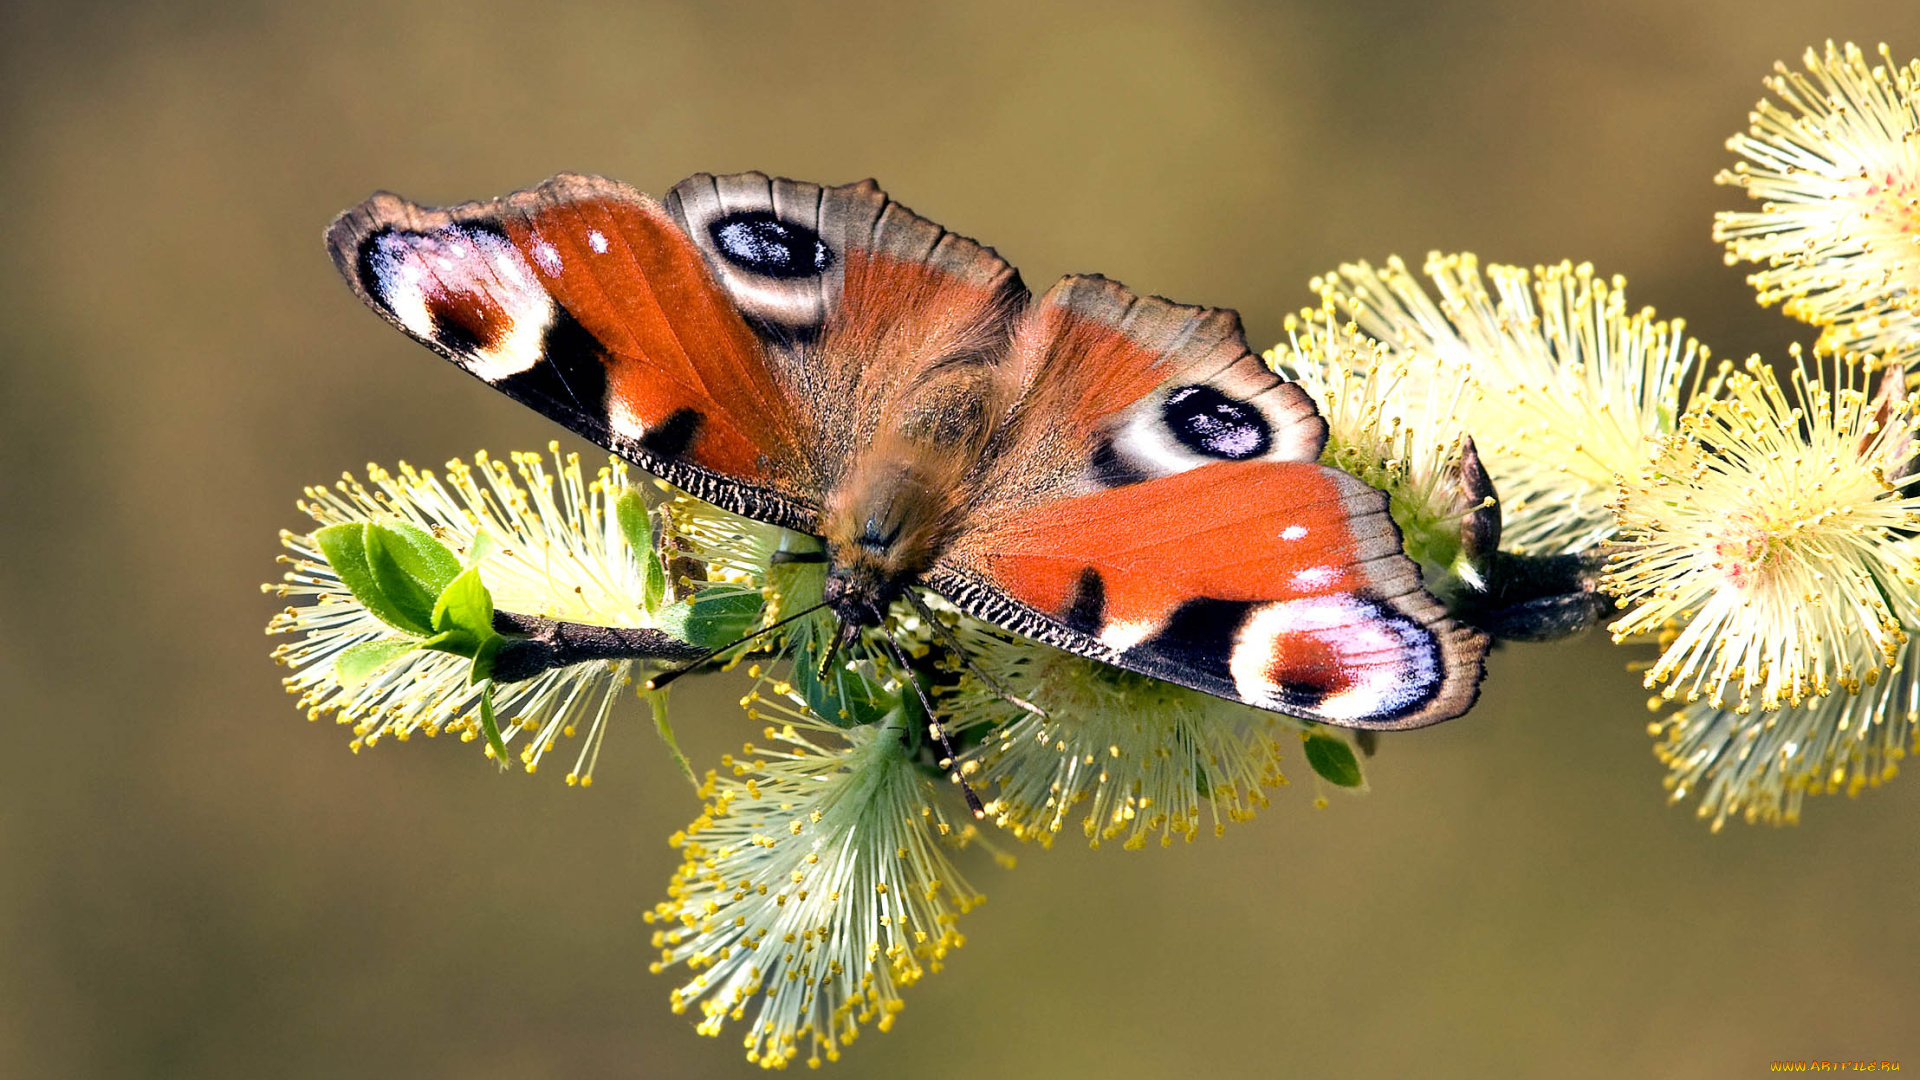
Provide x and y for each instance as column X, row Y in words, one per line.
column 657, row 699
column 483, row 545
column 654, row 591
column 344, row 546
column 345, row 549
column 1333, row 759
column 358, row 663
column 457, row 641
column 490, row 725
column 422, row 557
column 463, row 617
column 466, row 605
column 911, row 710
column 673, row 618
column 391, row 561
column 715, row 618
column 845, row 698
column 630, row 509
column 636, row 524
column 843, row 695
column 482, row 670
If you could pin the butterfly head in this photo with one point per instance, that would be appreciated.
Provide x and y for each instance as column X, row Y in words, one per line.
column 861, row 585
column 885, row 524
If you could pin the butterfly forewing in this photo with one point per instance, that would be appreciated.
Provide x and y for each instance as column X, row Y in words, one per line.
column 1278, row 584
column 584, row 300
column 766, row 244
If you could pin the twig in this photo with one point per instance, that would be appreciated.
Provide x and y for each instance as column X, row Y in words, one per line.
column 540, row 644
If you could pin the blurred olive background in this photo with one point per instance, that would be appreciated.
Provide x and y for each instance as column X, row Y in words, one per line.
column 196, row 882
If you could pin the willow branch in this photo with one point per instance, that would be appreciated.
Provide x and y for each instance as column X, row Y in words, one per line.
column 1534, row 598
column 539, row 644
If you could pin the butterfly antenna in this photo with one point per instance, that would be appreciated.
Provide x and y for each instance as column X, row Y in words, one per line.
column 952, row 642
column 661, row 680
column 938, row 729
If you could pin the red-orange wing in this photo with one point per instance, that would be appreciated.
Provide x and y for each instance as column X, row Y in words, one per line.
column 585, row 300
column 1158, row 508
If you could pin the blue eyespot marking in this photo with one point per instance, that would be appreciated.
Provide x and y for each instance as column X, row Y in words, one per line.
column 760, row 243
column 1209, row 422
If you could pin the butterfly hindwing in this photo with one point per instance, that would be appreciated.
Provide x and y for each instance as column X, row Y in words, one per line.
column 1133, row 387
column 896, row 299
column 583, row 299
column 1167, row 518
column 764, row 241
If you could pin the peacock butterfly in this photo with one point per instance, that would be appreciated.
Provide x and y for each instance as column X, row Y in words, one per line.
column 1111, row 474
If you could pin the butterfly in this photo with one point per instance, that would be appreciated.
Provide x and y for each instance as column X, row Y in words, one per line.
column 1115, row 475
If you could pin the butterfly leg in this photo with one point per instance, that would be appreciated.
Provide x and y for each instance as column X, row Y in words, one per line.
column 844, row 635
column 784, row 556
column 934, row 726
column 946, row 634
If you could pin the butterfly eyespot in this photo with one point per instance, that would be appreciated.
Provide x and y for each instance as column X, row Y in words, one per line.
column 463, row 288
column 760, row 243
column 1209, row 422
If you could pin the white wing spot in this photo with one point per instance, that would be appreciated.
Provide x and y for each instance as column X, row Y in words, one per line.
column 597, row 241
column 1294, row 532
column 1387, row 661
column 1318, row 577
column 623, row 420
column 547, row 257
column 1121, row 636
column 509, row 268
